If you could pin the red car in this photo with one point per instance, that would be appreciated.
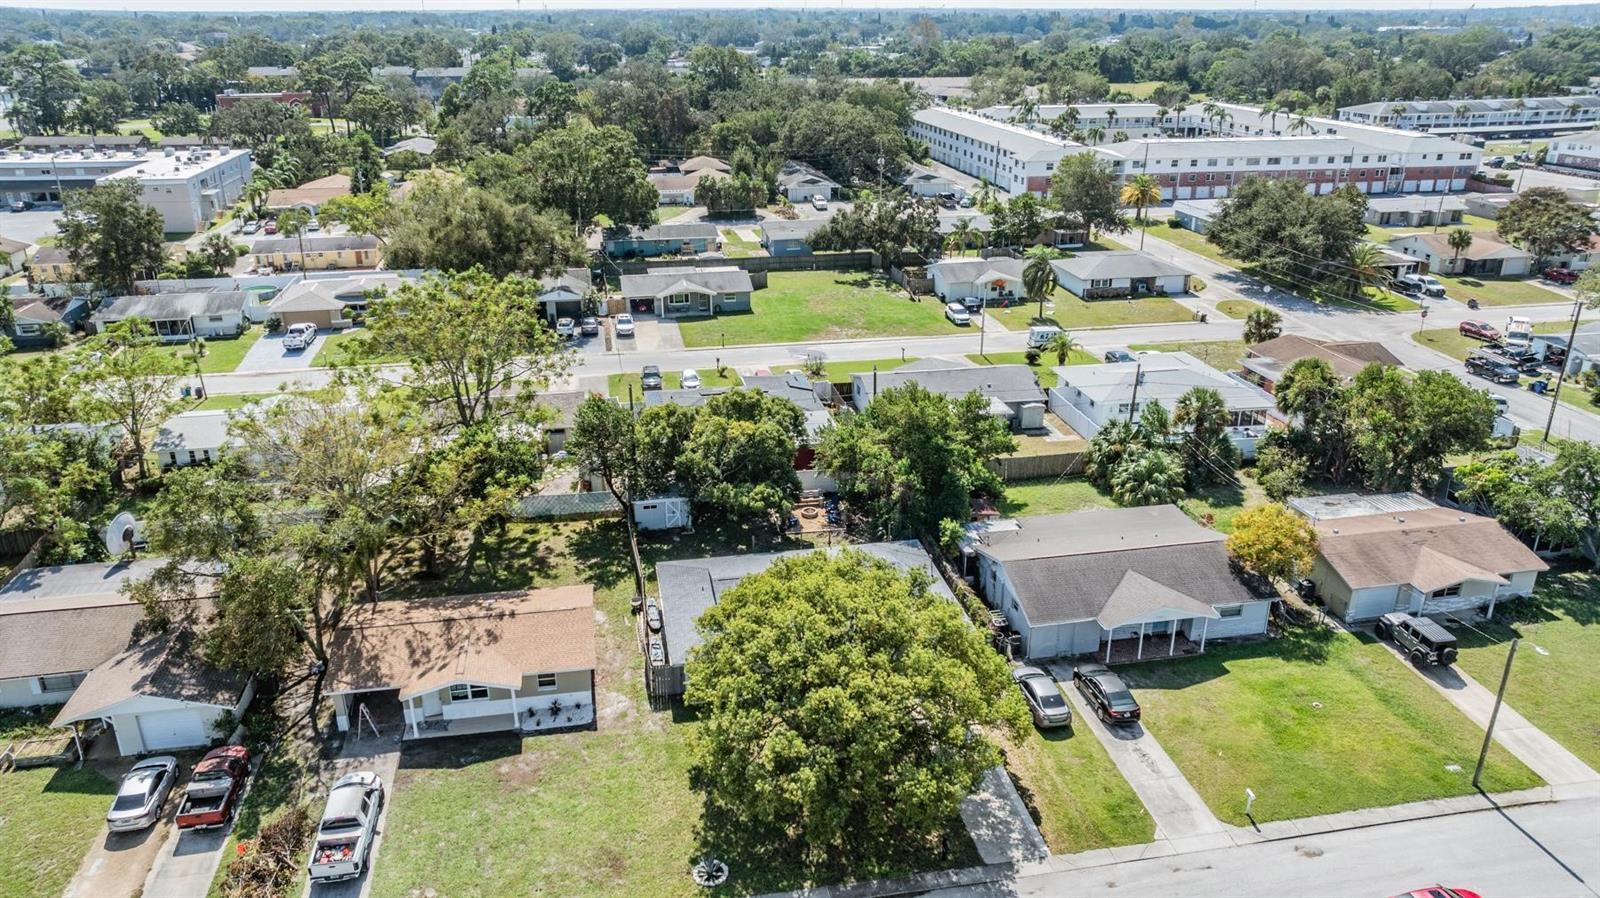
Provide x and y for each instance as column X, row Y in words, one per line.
column 1438, row 892
column 213, row 791
column 1481, row 330
column 1560, row 275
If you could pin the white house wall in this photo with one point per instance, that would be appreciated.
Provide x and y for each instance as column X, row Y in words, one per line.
column 22, row 692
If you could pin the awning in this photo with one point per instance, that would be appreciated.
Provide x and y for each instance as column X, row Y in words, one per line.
column 1436, row 570
column 1139, row 599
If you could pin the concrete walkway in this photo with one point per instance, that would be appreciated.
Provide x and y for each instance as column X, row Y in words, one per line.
column 1181, row 815
column 999, row 822
column 187, row 863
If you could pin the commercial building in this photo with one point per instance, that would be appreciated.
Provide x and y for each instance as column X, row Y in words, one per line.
column 189, row 188
column 1508, row 116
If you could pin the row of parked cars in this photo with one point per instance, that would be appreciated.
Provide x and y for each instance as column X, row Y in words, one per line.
column 1105, row 692
column 589, row 326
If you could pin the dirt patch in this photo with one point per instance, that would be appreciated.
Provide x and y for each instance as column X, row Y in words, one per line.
column 523, row 771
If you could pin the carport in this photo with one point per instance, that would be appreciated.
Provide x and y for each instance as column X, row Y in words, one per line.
column 1155, row 610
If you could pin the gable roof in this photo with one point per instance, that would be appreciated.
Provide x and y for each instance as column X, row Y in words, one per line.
column 794, row 173
column 192, row 430
column 1484, row 246
column 44, row 309
column 493, row 639
column 314, row 192
column 665, row 281
column 780, row 229
column 167, row 306
column 1384, row 549
column 9, row 247
column 794, row 386
column 1163, row 377
column 1007, row 383
column 1117, row 264
column 703, row 163
column 693, row 230
column 422, row 146
column 167, row 666
column 576, row 280
column 962, row 270
column 1270, row 358
column 330, row 294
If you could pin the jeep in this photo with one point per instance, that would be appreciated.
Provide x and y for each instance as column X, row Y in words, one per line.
column 1420, row 638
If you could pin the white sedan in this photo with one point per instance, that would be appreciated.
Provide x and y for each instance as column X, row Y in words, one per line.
column 690, row 379
column 957, row 313
column 624, row 325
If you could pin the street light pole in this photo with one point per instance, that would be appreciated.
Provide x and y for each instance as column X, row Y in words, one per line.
column 1561, row 373
column 1488, row 733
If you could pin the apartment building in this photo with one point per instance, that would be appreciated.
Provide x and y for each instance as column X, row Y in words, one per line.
column 1138, row 119
column 189, row 188
column 1503, row 116
column 1011, row 157
column 1578, row 151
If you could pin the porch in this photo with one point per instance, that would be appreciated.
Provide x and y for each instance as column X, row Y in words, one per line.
column 415, row 718
column 1152, row 647
column 1144, row 619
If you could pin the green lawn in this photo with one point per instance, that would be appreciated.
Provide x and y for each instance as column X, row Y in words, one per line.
column 1238, row 308
column 1513, row 147
column 1052, row 495
column 839, row 372
column 1315, row 722
column 1044, row 370
column 1223, row 355
column 1499, row 291
column 736, row 247
column 1189, row 240
column 340, row 348
column 1067, row 311
column 222, row 355
column 229, row 401
column 1447, row 340
column 617, row 384
column 668, row 213
column 1216, row 506
column 802, row 306
column 1554, row 681
column 47, row 819
column 1141, row 90
column 1081, row 798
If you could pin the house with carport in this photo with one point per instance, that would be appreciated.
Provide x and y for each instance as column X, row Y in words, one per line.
column 1117, row 584
column 688, row 292
column 561, row 293
column 520, row 661
column 180, row 317
column 1423, row 560
column 330, row 303
column 1119, row 273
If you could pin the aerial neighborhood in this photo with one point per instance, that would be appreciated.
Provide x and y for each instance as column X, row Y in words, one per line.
column 779, row 451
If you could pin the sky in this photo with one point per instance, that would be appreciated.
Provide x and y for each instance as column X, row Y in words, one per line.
column 250, row 6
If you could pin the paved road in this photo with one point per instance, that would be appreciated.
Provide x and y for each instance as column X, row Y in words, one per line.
column 1537, row 851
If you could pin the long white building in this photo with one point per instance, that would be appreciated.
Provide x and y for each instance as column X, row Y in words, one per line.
column 1501, row 116
column 188, row 187
column 1577, row 151
column 1011, row 157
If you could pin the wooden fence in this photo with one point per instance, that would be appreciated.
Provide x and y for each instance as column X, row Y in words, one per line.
column 18, row 542
column 1030, row 467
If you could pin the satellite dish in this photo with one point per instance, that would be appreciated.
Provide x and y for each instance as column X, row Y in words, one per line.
column 122, row 533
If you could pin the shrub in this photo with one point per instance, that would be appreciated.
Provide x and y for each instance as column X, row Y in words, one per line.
column 1032, row 355
column 1195, row 284
column 1174, row 224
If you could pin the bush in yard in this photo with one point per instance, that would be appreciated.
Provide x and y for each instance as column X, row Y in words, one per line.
column 842, row 704
column 271, row 864
column 1148, row 476
column 1032, row 355
column 1281, row 473
column 1273, row 541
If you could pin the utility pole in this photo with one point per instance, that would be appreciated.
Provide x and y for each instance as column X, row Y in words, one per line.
column 1133, row 401
column 983, row 326
column 1488, row 734
column 1561, row 373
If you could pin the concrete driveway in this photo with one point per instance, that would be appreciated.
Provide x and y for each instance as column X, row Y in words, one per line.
column 117, row 864
column 186, row 863
column 381, row 755
column 29, row 226
column 268, row 354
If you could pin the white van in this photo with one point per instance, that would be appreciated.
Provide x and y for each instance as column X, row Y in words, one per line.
column 1040, row 334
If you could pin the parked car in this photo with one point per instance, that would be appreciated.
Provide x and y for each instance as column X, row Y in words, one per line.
column 1492, row 368
column 270, row 228
column 1421, row 639
column 250, row 227
column 1480, row 330
column 973, row 304
column 566, row 327
column 1119, row 355
column 1560, row 275
column 313, row 226
column 957, row 313
column 1439, row 892
column 1409, row 284
column 690, row 379
column 1044, row 698
column 650, row 377
column 1431, row 286
column 1040, row 334
column 819, row 203
column 21, row 205
column 1521, row 356
column 623, row 324
column 142, row 794
column 299, row 336
column 214, row 788
column 966, row 202
column 1106, row 693
column 589, row 326
column 343, row 846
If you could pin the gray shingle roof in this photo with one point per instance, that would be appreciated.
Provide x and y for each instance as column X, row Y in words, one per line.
column 693, row 230
column 794, row 173
column 1116, row 265
column 660, row 281
column 796, row 389
column 780, row 229
column 1007, row 383
column 166, row 306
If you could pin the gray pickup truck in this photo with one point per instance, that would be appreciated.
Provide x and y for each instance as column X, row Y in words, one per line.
column 343, row 848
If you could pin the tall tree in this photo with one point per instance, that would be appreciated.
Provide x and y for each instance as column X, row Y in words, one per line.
column 1039, row 276
column 1545, row 221
column 1273, row 541
column 1404, row 427
column 1290, row 235
column 45, row 88
column 1209, row 455
column 131, row 381
column 1148, row 476
column 886, row 223
column 1084, row 189
column 1262, row 324
column 111, row 236
column 1141, row 191
column 447, row 226
column 871, row 743
column 739, row 456
column 585, row 171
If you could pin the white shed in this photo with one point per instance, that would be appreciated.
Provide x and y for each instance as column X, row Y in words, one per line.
column 663, row 513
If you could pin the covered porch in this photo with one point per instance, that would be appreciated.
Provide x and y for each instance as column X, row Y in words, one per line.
column 1145, row 620
column 994, row 284
column 462, row 709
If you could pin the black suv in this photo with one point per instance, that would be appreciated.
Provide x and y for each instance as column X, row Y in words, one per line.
column 1492, row 368
column 1421, row 638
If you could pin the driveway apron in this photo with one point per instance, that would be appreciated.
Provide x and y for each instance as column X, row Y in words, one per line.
column 381, row 755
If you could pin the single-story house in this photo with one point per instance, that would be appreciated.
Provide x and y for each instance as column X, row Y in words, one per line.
column 687, row 398
column 959, row 277
column 1488, row 256
column 789, row 238
column 1584, row 353
column 1090, row 396
column 801, row 182
column 980, row 224
column 1265, row 362
column 52, row 264
column 1196, row 215
column 329, row 303
column 159, row 695
column 178, row 317
column 1488, row 205
column 677, row 188
column 1395, row 263
column 1424, row 561
column 520, row 661
column 32, row 317
column 421, row 145
column 695, row 164
column 1081, row 583
column 317, row 252
column 1413, row 210
column 1120, row 273
column 921, row 181
column 564, row 405
column 1013, row 391
column 191, row 438
column 690, row 586
column 683, row 292
column 308, row 196
column 686, row 239
column 562, row 293
column 13, row 255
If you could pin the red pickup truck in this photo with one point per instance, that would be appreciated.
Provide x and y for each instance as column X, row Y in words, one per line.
column 213, row 791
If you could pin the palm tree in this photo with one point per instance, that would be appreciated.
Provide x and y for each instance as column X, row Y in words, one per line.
column 1161, row 118
column 1120, row 136
column 1141, row 190
column 1396, row 111
column 1148, row 477
column 1300, row 123
column 1063, row 345
column 1213, row 112
column 1462, row 110
column 1261, row 325
column 1111, row 116
column 983, row 198
column 959, row 237
column 1460, row 240
column 1367, row 268
column 1573, row 109
column 219, row 252
column 1039, row 277
column 1204, row 417
column 1065, row 123
column 1272, row 109
column 292, row 223
column 1025, row 113
column 1095, row 135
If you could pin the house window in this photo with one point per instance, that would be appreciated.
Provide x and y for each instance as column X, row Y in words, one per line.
column 28, row 329
column 1274, row 160
column 468, row 692
column 547, row 681
column 1446, row 593
column 60, row 682
column 1230, row 610
column 1100, row 282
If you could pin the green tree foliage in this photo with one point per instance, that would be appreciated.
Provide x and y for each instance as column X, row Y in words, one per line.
column 739, row 457
column 1110, row 445
column 102, row 105
column 1545, row 221
column 604, row 443
column 1148, row 476
column 131, row 381
column 111, row 236
column 1020, row 220
column 1085, row 191
column 586, row 171
column 914, row 458
column 884, row 223
column 447, row 226
column 1261, row 325
column 736, row 196
column 373, row 212
column 45, row 88
column 1273, row 541
column 863, row 740
column 1039, row 276
column 845, row 142
column 1525, row 495
column 259, row 124
column 178, row 119
column 1312, row 393
column 1203, row 417
column 219, row 253
column 1291, row 235
column 1404, row 427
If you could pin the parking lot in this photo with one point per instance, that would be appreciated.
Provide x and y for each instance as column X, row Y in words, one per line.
column 31, row 226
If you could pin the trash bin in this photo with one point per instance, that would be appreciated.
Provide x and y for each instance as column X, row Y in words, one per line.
column 1539, row 386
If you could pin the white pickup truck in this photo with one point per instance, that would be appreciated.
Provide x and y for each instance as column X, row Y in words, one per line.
column 349, row 825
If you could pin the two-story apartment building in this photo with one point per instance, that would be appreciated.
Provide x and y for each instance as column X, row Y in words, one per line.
column 1576, row 151
column 1011, row 157
column 1500, row 115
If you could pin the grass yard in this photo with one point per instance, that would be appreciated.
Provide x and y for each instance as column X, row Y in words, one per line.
column 1141, row 90
column 1238, row 308
column 1081, row 799
column 1068, row 311
column 1447, row 340
column 1499, row 291
column 1189, row 240
column 802, row 306
column 839, row 372
column 1554, row 681
column 47, row 819
column 1513, row 147
column 617, row 384
column 668, row 213
column 1216, row 506
column 340, row 349
column 1044, row 370
column 736, row 247
column 229, row 401
column 1052, row 495
column 1223, row 355
column 222, row 356
column 1315, row 722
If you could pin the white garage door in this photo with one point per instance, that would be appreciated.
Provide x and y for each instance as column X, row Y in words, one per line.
column 171, row 729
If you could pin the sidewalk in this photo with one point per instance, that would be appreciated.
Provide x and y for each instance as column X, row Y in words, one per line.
column 998, row 821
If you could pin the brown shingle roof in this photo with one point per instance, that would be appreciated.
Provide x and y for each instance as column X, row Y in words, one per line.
column 167, row 666
column 494, row 639
column 1345, row 358
column 65, row 640
column 1433, row 545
